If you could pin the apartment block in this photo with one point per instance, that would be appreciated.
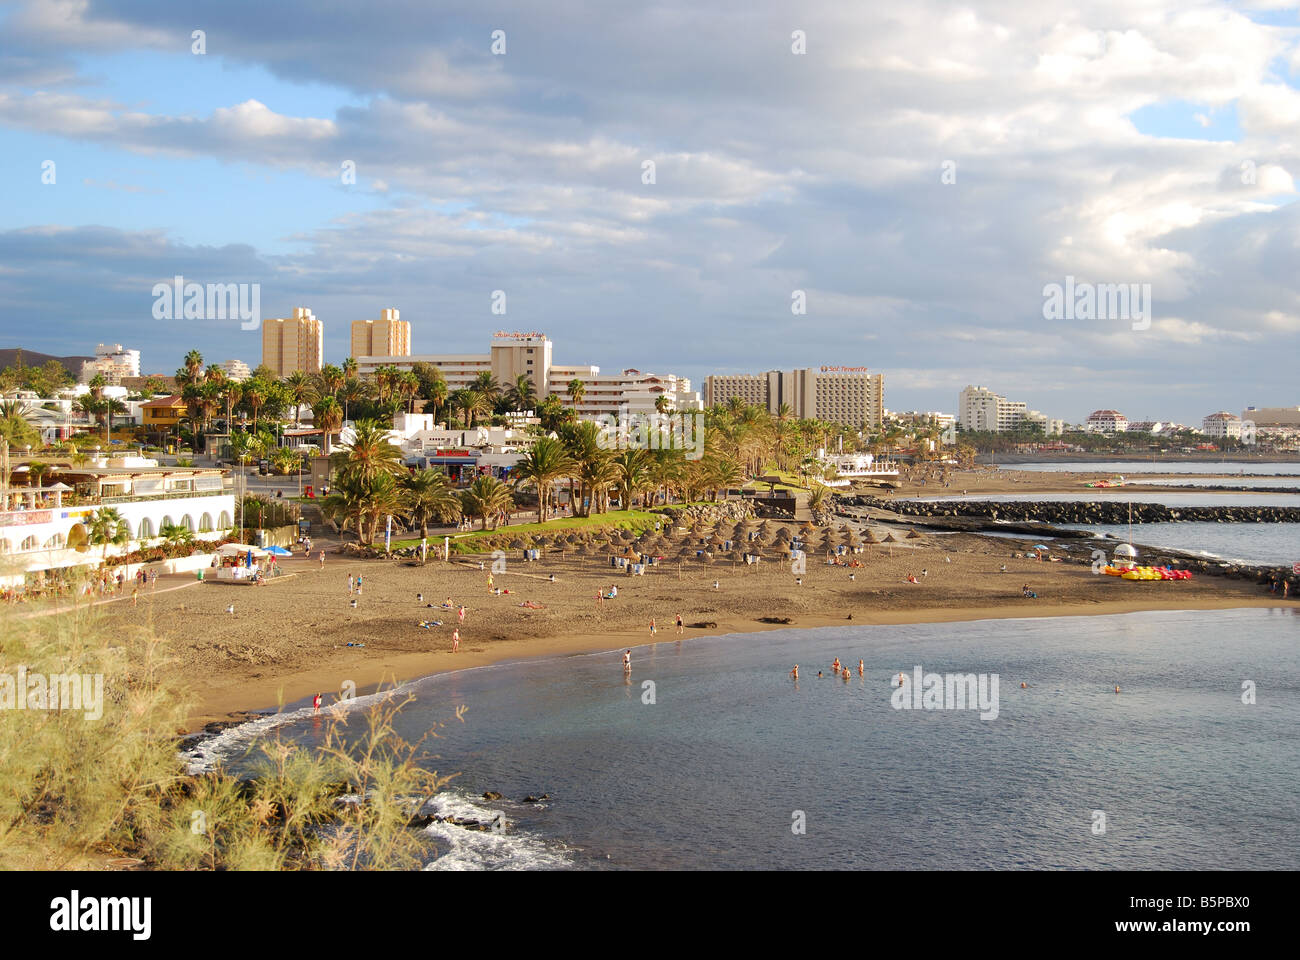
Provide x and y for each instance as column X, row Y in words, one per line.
column 293, row 343
column 851, row 396
column 389, row 336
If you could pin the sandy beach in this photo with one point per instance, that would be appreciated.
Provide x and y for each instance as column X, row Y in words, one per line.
column 289, row 639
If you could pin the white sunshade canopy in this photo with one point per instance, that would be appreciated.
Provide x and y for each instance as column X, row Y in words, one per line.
column 240, row 550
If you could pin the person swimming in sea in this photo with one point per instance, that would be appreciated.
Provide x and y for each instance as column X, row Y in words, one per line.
column 794, row 674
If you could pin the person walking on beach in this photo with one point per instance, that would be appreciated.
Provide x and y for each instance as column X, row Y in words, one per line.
column 455, row 641
column 460, row 614
column 652, row 626
column 679, row 623
column 627, row 661
column 315, row 703
column 358, row 584
column 322, row 558
column 352, row 584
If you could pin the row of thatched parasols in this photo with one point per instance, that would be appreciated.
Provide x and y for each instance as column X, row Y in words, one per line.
column 721, row 541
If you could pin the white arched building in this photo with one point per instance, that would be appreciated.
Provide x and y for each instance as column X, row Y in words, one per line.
column 47, row 527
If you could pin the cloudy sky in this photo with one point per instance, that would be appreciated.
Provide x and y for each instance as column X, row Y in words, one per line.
column 921, row 171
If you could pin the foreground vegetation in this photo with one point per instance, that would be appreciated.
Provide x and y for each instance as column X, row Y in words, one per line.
column 81, row 792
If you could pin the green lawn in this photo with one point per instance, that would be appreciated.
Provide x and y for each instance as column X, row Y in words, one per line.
column 635, row 520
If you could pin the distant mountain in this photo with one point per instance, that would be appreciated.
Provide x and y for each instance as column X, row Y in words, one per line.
column 33, row 359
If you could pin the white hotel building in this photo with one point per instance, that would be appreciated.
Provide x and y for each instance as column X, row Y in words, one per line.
column 512, row 354
column 47, row 527
column 979, row 408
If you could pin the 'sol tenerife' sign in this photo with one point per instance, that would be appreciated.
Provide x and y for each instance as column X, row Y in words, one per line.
column 834, row 369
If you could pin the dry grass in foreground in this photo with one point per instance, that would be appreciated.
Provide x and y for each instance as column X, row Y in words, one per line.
column 98, row 783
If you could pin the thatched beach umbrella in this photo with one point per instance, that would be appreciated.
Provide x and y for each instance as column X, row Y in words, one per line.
column 913, row 535
column 889, row 538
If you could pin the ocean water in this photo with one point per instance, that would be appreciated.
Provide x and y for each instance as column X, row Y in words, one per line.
column 1111, row 467
column 730, row 755
column 1273, row 544
column 1291, row 482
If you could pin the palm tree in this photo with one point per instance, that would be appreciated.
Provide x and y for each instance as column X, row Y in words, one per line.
column 298, row 385
column 329, row 380
column 107, row 528
column 436, row 392
column 598, row 475
column 484, row 498
column 471, row 403
column 662, row 403
column 254, row 396
column 817, row 497
column 231, row 393
column 350, row 368
column 112, row 406
column 664, row 468
column 541, row 466
column 383, row 498
column 175, row 533
column 429, row 495
column 521, row 394
column 630, row 466
column 327, row 415
column 408, row 385
column 576, row 391
column 487, row 385
column 369, row 454
column 350, row 392
column 345, row 505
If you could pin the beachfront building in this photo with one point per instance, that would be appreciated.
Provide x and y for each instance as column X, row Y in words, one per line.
column 1222, row 425
column 389, row 336
column 851, row 396
column 979, row 408
column 113, row 362
column 293, row 343
column 1105, row 421
column 236, row 370
column 47, row 527
column 512, row 355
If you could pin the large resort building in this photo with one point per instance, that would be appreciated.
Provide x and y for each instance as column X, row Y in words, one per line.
column 979, row 408
column 45, row 528
column 846, row 395
column 529, row 354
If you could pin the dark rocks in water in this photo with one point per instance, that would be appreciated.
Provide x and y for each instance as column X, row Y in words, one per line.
column 1089, row 512
column 532, row 799
column 775, row 620
column 491, row 795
